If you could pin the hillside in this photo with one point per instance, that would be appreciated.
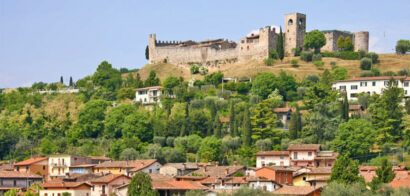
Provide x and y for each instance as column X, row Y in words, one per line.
column 387, row 62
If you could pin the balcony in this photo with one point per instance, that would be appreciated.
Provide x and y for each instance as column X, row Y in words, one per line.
column 58, row 165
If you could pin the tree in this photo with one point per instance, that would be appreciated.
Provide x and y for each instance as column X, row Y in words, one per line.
column 71, row 82
column 295, row 125
column 384, row 174
column 126, row 93
column 140, row 185
column 279, row 46
column 402, row 46
column 61, row 80
column 214, row 78
column 147, row 52
column 115, row 118
column 152, row 79
column 355, row 136
column 387, row 114
column 348, row 45
column 217, row 126
column 314, row 39
column 210, row 149
column 232, row 120
column 263, row 84
column 129, row 154
column 341, row 42
column 137, row 125
column 345, row 107
column 323, row 121
column 264, row 121
column 169, row 83
column 246, row 128
column 91, row 119
column 345, row 171
column 106, row 76
column 366, row 63
column 264, row 144
column 47, row 147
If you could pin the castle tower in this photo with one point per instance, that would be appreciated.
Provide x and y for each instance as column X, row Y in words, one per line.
column 295, row 30
column 361, row 41
column 152, row 41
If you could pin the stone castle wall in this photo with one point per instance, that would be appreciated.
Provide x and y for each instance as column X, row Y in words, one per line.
column 361, row 41
column 331, row 40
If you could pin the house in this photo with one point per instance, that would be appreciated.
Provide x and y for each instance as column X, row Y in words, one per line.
column 121, row 190
column 57, row 188
column 98, row 160
column 372, row 85
column 81, row 169
column 298, row 191
column 59, row 165
column 18, row 180
column 269, row 158
column 263, row 183
column 280, row 175
column 6, row 166
column 325, row 158
column 128, row 168
column 303, row 154
column 356, row 109
column 218, row 171
column 224, row 182
column 148, row 95
column 105, row 185
column 77, row 177
column 283, row 115
column 369, row 172
column 34, row 165
column 312, row 176
column 172, row 187
column 178, row 169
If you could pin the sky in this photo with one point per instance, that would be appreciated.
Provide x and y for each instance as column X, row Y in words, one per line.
column 44, row 39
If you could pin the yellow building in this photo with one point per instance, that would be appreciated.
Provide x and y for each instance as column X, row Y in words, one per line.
column 57, row 188
column 312, row 176
column 59, row 164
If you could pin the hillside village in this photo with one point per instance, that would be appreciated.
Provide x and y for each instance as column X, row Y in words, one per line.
column 289, row 113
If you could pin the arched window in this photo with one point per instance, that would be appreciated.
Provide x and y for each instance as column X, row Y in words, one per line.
column 290, row 22
column 300, row 21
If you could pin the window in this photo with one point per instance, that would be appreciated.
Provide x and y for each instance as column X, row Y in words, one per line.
column 154, row 93
column 45, row 194
column 290, row 22
column 386, row 82
column 86, row 194
column 98, row 170
column 310, row 154
column 363, row 83
column 405, row 92
column 374, row 83
column 145, row 99
column 44, row 167
column 247, row 47
column 353, row 95
column 265, row 188
column 281, row 156
column 14, row 182
column 26, row 168
column 330, row 163
column 18, row 168
column 58, row 194
column 353, row 87
column 150, row 171
column 103, row 189
column 295, row 155
column 300, row 21
column 1, row 182
column 120, row 169
column 63, row 160
column 263, row 157
column 406, row 84
column 304, row 178
column 343, row 88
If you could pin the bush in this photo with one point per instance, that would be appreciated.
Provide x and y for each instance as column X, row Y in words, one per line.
column 362, row 53
column 194, row 69
column 317, row 57
column 375, row 71
column 388, row 73
column 404, row 72
column 366, row 74
column 402, row 46
column 269, row 61
column 373, row 56
column 318, row 63
column 273, row 54
column 328, row 54
column 306, row 56
column 333, row 63
column 294, row 63
column 347, row 55
column 165, row 60
column 297, row 51
column 203, row 70
column 366, row 63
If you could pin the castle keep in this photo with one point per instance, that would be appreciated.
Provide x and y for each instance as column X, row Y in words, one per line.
column 253, row 46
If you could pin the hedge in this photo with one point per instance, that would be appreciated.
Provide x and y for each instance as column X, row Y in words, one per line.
column 346, row 55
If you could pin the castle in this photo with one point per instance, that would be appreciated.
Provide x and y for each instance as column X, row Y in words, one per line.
column 253, row 46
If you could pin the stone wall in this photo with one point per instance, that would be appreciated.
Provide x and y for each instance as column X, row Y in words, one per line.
column 331, row 40
column 361, row 41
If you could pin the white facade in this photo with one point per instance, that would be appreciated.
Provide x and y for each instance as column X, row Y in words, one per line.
column 303, row 155
column 264, row 185
column 60, row 192
column 149, row 95
column 371, row 85
column 274, row 160
column 59, row 165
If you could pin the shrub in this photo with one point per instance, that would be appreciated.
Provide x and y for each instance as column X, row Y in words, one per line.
column 294, row 63
column 333, row 63
column 317, row 57
column 165, row 60
column 194, row 69
column 273, row 54
column 373, row 56
column 348, row 55
column 318, row 63
column 402, row 46
column 203, row 70
column 296, row 51
column 375, row 71
column 365, row 63
column 269, row 61
column 328, row 54
column 388, row 73
column 404, row 72
column 366, row 74
column 362, row 53
column 306, row 56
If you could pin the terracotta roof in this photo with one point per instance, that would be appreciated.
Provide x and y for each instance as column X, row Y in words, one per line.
column 135, row 165
column 304, row 147
column 282, row 110
column 355, row 107
column 146, row 88
column 272, row 153
column 59, row 184
column 77, row 177
column 195, row 178
column 313, row 170
column 400, row 183
column 375, row 78
column 6, row 167
column 278, row 168
column 177, row 185
column 16, row 174
column 100, row 158
column 218, row 171
column 296, row 190
column 108, row 178
column 368, row 175
column 304, row 112
column 224, row 119
column 30, row 161
column 227, row 180
column 181, row 165
column 160, row 177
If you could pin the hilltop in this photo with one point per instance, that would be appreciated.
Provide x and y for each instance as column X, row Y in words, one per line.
column 387, row 62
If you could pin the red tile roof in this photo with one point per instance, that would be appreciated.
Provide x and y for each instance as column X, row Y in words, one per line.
column 296, row 190
column 304, row 147
column 375, row 78
column 100, row 158
column 224, row 119
column 400, row 183
column 108, row 178
column 278, row 168
column 282, row 110
column 61, row 184
column 272, row 153
column 177, row 185
column 30, row 161
column 16, row 174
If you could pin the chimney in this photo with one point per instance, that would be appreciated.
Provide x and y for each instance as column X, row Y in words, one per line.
column 184, row 164
column 217, row 163
column 205, row 168
column 235, row 163
column 226, row 171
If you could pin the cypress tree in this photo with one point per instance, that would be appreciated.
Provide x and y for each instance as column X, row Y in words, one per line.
column 147, row 53
column 279, row 46
column 61, row 80
column 217, row 127
column 71, row 82
column 232, row 121
column 246, row 128
column 185, row 125
column 345, row 108
column 295, row 125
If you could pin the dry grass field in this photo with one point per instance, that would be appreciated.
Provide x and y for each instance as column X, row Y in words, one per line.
column 387, row 62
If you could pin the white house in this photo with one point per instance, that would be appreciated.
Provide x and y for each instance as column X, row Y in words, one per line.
column 148, row 95
column 371, row 85
column 277, row 158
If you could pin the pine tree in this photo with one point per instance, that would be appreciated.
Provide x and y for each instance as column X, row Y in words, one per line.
column 246, row 128
column 217, row 127
column 232, row 120
column 61, row 80
column 345, row 107
column 279, row 46
column 140, row 185
column 385, row 174
column 71, row 82
column 147, row 53
column 345, row 171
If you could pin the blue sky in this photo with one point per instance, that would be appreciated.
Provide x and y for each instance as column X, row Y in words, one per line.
column 44, row 39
